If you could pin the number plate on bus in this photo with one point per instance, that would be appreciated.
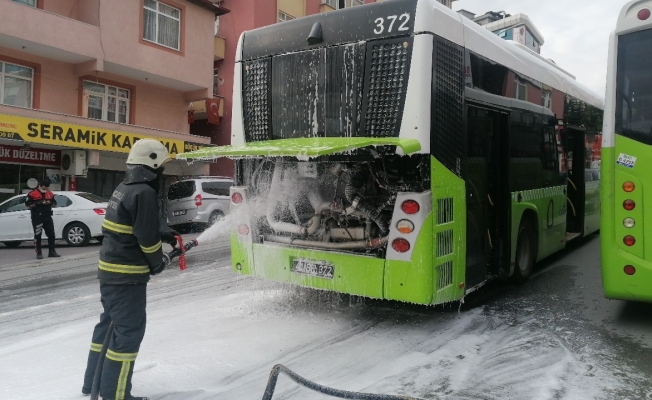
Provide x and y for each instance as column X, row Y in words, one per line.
column 313, row 268
column 180, row 212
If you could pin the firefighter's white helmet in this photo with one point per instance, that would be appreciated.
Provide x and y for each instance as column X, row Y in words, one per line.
column 148, row 152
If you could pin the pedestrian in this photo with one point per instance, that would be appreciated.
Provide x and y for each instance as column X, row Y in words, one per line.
column 40, row 202
column 131, row 252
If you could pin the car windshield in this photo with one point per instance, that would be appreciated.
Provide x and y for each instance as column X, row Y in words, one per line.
column 181, row 190
column 91, row 197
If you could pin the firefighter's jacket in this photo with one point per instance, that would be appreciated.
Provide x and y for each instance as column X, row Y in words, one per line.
column 132, row 238
column 40, row 204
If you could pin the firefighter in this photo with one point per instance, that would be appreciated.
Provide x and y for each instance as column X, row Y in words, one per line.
column 131, row 252
column 40, row 202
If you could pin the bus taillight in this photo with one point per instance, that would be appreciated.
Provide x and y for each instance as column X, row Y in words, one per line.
column 410, row 207
column 644, row 14
column 629, row 223
column 236, row 198
column 629, row 240
column 629, row 205
column 629, row 187
column 630, row 270
column 405, row 226
column 243, row 230
column 400, row 245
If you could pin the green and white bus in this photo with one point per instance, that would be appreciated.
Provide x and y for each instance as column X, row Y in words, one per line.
column 399, row 151
column 627, row 158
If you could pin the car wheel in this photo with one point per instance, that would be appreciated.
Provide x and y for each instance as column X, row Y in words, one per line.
column 526, row 251
column 215, row 216
column 13, row 245
column 77, row 234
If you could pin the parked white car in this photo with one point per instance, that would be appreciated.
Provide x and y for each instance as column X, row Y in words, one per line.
column 201, row 201
column 77, row 218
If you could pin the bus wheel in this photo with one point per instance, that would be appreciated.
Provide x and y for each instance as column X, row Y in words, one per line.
column 526, row 251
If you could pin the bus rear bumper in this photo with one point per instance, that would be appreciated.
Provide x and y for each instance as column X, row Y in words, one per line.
column 620, row 286
column 354, row 274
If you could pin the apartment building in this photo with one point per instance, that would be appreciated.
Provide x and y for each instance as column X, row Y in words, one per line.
column 82, row 80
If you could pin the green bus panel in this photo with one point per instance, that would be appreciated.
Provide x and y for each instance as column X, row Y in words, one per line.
column 412, row 281
column 449, row 224
column 354, row 274
column 548, row 208
column 615, row 255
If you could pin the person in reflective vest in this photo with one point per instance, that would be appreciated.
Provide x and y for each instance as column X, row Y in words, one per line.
column 40, row 202
column 131, row 252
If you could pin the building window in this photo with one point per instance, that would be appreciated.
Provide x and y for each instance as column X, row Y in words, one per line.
column 162, row 24
column 546, row 99
column 31, row 3
column 338, row 4
column 521, row 90
column 350, row 3
column 16, row 85
column 282, row 17
column 106, row 102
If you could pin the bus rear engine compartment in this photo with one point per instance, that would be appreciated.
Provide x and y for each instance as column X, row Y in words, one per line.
column 331, row 205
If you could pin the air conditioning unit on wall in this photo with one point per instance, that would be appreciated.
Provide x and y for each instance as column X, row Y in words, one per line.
column 73, row 162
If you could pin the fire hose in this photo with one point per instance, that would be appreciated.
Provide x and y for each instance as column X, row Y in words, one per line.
column 179, row 252
column 342, row 394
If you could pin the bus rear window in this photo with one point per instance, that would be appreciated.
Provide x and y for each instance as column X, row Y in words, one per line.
column 634, row 88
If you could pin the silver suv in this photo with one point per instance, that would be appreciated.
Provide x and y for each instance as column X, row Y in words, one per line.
column 200, row 201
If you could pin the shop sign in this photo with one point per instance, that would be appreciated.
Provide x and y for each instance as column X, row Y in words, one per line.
column 40, row 131
column 21, row 155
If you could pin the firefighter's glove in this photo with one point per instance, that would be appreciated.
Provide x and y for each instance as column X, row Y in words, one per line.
column 159, row 268
column 170, row 237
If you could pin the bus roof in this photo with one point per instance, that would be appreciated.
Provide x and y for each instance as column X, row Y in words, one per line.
column 628, row 20
column 431, row 16
column 466, row 33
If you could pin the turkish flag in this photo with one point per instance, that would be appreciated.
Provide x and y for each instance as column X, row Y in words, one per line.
column 213, row 111
column 191, row 116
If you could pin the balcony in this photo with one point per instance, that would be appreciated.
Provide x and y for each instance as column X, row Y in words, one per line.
column 220, row 48
column 47, row 34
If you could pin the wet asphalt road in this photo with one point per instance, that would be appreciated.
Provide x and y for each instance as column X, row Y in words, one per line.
column 561, row 306
column 25, row 252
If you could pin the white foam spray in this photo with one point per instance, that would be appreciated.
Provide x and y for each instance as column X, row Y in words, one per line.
column 287, row 191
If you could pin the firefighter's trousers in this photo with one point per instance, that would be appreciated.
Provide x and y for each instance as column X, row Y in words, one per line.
column 125, row 306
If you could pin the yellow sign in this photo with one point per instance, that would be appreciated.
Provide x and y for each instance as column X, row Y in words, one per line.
column 40, row 131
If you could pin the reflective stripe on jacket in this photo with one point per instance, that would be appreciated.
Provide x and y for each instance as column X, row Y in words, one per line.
column 132, row 238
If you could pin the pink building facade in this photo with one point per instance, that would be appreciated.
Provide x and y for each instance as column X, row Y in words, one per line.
column 88, row 78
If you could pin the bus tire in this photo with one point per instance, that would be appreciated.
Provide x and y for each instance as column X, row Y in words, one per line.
column 526, row 251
